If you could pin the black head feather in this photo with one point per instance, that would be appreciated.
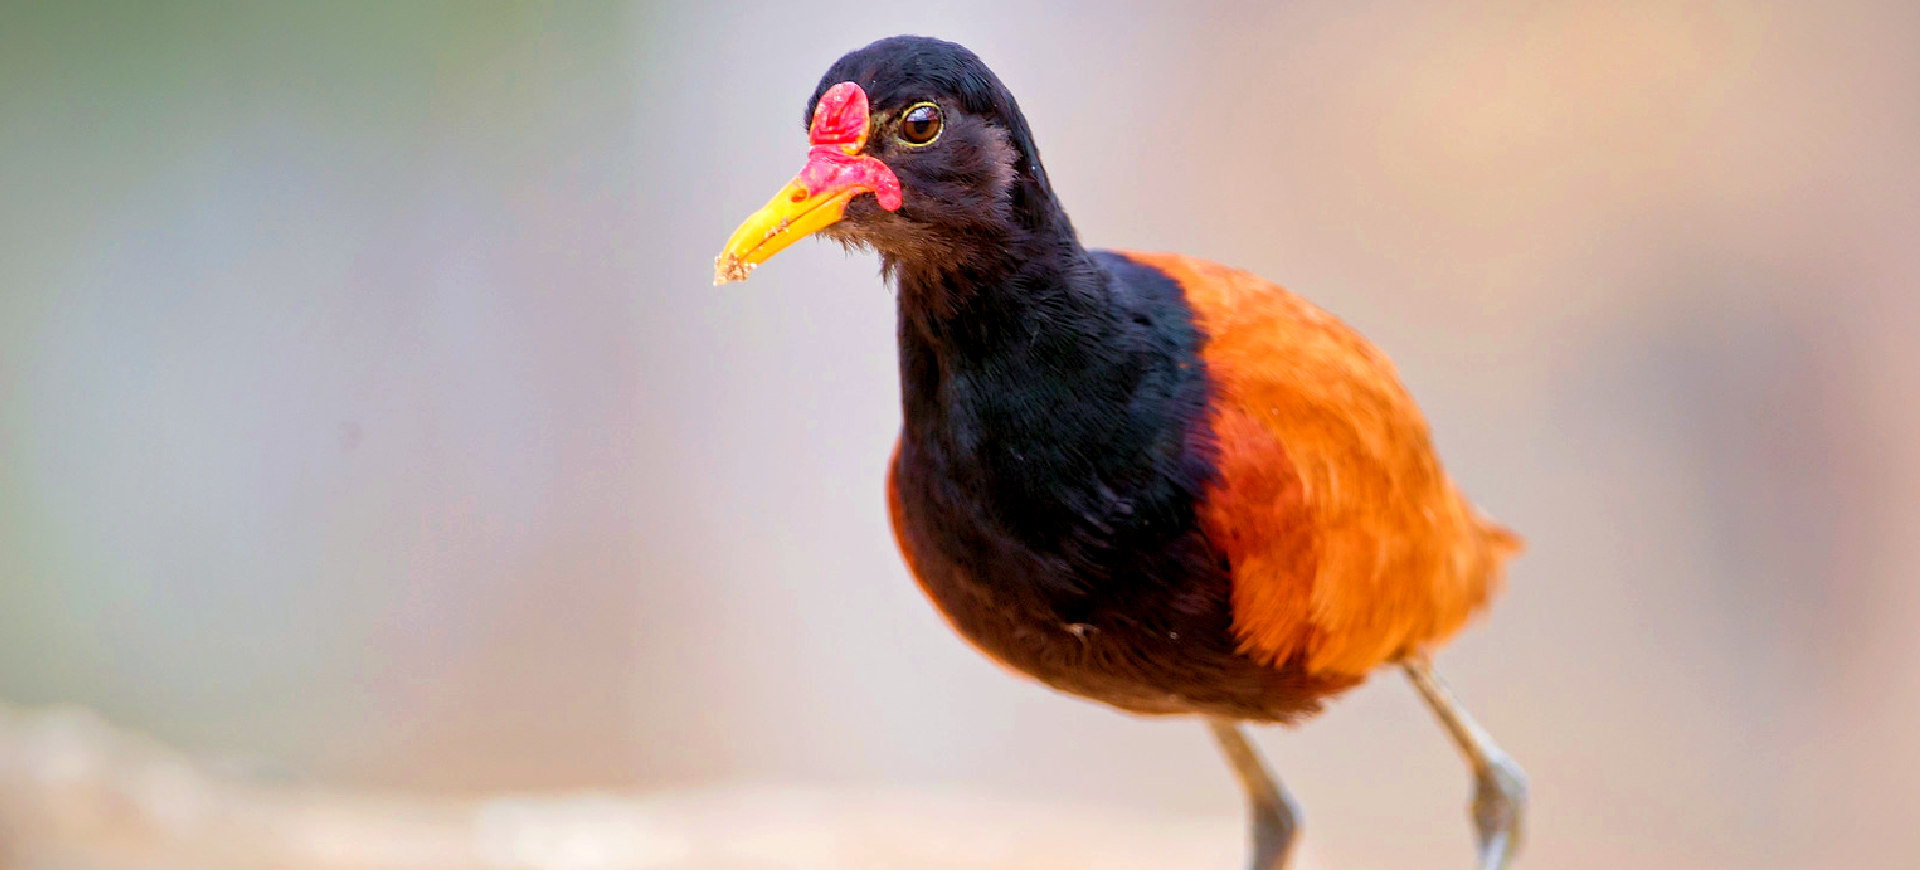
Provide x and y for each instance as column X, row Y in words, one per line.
column 972, row 196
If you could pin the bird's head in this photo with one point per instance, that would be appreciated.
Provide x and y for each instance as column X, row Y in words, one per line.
column 916, row 150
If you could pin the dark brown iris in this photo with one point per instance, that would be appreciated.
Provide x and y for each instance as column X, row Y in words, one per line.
column 920, row 125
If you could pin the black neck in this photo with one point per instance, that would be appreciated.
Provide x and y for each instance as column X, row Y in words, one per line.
column 1007, row 280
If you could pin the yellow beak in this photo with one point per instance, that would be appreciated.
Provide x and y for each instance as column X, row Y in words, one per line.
column 792, row 214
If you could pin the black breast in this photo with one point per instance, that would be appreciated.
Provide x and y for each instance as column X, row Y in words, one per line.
column 1053, row 454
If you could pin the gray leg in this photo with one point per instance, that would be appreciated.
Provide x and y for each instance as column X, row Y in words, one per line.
column 1499, row 785
column 1274, row 816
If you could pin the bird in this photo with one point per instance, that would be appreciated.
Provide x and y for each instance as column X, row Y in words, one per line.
column 1142, row 479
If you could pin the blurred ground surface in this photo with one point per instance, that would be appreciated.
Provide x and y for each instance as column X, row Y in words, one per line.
column 79, row 794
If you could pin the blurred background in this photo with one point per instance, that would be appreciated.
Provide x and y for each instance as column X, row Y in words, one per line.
column 367, row 421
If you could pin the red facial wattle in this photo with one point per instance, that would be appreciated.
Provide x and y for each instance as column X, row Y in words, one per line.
column 840, row 118
column 830, row 169
column 841, row 122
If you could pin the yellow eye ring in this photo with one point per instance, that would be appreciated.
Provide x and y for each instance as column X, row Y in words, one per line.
column 919, row 125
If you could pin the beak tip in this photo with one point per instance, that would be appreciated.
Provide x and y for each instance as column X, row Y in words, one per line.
column 728, row 268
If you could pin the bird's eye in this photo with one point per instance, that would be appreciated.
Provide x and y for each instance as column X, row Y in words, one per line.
column 921, row 124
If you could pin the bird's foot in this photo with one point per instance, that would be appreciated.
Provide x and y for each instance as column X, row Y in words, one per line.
column 1499, row 811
